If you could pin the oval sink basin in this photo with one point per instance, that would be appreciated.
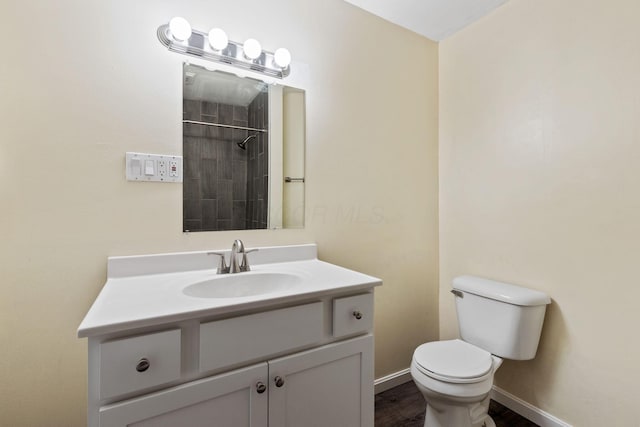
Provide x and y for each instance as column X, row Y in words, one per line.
column 240, row 285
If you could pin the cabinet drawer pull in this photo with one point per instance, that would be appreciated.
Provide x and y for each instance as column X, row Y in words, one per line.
column 260, row 387
column 357, row 315
column 279, row 381
column 143, row 365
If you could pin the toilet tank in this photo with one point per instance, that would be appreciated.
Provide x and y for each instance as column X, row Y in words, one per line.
column 504, row 319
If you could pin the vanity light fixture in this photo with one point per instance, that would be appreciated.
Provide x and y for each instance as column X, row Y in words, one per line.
column 178, row 36
column 180, row 28
column 252, row 49
column 218, row 39
column 282, row 57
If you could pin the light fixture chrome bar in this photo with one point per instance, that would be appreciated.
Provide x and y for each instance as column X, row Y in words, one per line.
column 195, row 122
column 198, row 45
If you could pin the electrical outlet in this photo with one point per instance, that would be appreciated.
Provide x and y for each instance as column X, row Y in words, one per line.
column 173, row 168
column 162, row 168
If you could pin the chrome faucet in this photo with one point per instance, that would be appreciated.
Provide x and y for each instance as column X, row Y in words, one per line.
column 236, row 249
column 235, row 266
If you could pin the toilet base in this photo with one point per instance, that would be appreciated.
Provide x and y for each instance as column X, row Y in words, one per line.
column 433, row 419
column 459, row 414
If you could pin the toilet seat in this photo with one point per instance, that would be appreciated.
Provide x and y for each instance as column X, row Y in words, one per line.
column 453, row 361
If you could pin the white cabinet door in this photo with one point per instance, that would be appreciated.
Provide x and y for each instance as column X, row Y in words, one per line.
column 328, row 386
column 228, row 400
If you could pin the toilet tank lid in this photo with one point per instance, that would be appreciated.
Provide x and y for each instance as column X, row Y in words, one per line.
column 500, row 291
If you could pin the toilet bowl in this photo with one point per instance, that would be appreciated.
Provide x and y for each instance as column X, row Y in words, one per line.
column 455, row 379
column 496, row 320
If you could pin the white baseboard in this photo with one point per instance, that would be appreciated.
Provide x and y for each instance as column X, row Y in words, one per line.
column 392, row 380
column 517, row 405
column 527, row 410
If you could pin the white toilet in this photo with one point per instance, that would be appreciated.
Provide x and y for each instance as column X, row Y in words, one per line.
column 497, row 320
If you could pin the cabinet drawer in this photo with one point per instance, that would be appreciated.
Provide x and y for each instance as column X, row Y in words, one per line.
column 240, row 339
column 352, row 315
column 123, row 370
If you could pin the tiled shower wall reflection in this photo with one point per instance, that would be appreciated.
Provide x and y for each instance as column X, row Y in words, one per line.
column 219, row 176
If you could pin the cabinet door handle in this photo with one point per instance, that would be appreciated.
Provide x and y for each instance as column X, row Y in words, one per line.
column 260, row 387
column 143, row 365
column 279, row 381
column 357, row 315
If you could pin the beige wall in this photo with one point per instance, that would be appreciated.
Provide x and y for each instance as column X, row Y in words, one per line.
column 539, row 185
column 82, row 82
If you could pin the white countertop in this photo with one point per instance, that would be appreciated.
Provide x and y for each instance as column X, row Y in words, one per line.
column 137, row 297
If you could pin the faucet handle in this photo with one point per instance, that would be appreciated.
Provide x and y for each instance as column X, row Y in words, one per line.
column 222, row 266
column 245, row 260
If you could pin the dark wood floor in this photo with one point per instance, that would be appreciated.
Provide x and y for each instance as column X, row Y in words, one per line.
column 404, row 406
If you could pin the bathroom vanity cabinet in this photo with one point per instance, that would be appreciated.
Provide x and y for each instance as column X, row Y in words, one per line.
column 155, row 379
column 304, row 360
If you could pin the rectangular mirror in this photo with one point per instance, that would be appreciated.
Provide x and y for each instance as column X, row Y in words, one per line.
column 243, row 152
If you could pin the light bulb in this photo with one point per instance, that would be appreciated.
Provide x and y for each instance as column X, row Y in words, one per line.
column 282, row 57
column 252, row 48
column 180, row 28
column 218, row 39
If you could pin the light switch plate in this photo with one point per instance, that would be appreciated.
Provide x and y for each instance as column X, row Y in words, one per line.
column 153, row 167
